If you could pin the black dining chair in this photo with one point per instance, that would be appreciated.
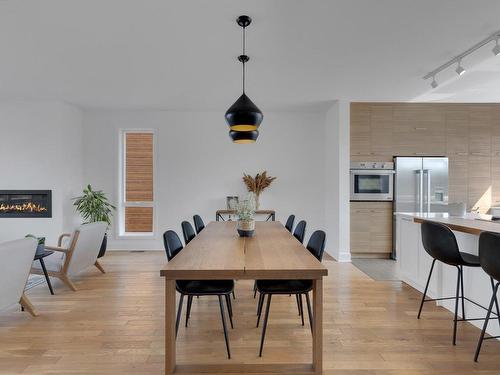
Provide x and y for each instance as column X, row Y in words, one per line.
column 316, row 247
column 289, row 223
column 440, row 243
column 191, row 288
column 187, row 231
column 300, row 231
column 489, row 246
column 198, row 223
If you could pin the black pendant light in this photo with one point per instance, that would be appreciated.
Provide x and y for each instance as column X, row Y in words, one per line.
column 244, row 117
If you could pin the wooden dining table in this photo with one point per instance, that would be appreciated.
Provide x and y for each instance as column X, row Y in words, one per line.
column 219, row 253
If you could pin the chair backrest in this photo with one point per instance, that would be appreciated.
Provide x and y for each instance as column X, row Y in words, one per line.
column 187, row 231
column 198, row 223
column 300, row 231
column 289, row 223
column 316, row 244
column 15, row 264
column 489, row 248
column 172, row 243
column 440, row 243
column 86, row 242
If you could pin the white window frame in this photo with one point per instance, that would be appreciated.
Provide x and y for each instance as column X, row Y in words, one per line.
column 122, row 204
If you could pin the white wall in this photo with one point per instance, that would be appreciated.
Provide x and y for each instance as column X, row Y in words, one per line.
column 41, row 148
column 336, row 144
column 198, row 166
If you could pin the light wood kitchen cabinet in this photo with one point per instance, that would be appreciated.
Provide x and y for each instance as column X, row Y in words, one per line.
column 371, row 229
column 480, row 131
column 468, row 134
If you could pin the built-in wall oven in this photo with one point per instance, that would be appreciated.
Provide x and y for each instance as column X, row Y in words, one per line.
column 372, row 181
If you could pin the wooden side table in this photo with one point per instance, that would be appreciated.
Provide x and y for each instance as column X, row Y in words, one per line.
column 39, row 257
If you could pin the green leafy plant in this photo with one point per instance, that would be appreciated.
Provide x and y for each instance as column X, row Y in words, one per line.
column 94, row 206
column 41, row 240
column 246, row 208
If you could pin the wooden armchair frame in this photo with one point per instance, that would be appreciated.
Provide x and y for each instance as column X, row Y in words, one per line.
column 63, row 273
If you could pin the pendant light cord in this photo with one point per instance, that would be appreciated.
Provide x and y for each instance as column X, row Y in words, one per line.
column 243, row 62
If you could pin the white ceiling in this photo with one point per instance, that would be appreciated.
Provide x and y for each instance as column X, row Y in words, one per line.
column 182, row 54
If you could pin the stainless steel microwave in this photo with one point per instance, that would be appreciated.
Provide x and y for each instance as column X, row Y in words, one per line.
column 372, row 181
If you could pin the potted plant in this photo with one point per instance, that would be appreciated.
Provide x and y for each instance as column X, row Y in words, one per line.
column 257, row 184
column 245, row 212
column 94, row 206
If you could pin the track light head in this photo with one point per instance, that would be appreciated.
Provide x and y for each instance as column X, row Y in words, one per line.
column 434, row 84
column 496, row 49
column 460, row 70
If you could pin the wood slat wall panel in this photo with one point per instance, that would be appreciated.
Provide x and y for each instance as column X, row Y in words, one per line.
column 139, row 167
column 139, row 219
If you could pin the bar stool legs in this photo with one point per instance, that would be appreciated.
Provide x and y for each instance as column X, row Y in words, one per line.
column 425, row 290
column 455, row 319
column 485, row 325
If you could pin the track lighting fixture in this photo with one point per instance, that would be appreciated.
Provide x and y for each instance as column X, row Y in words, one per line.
column 496, row 49
column 458, row 59
column 460, row 70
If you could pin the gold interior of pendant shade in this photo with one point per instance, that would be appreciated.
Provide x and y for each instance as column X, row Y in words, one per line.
column 244, row 141
column 243, row 128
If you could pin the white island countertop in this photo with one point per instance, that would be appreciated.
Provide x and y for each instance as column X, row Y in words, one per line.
column 472, row 223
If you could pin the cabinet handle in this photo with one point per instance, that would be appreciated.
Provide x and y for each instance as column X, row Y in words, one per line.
column 417, row 128
column 419, row 153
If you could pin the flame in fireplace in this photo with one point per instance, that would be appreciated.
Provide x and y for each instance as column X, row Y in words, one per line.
column 25, row 207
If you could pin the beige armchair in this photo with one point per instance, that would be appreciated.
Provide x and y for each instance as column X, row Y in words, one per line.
column 17, row 257
column 74, row 253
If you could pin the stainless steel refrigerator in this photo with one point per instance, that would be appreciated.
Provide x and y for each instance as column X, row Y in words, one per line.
column 420, row 185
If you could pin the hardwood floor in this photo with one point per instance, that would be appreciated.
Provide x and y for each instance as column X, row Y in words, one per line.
column 113, row 324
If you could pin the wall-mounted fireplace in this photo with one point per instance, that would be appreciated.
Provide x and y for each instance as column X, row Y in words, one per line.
column 25, row 203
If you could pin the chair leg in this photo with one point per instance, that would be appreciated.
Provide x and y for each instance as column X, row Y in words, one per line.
column 301, row 308
column 485, row 325
column 234, row 296
column 99, row 267
column 425, row 290
column 457, row 296
column 496, row 300
column 26, row 305
column 66, row 280
column 229, row 309
column 259, row 308
column 266, row 317
column 309, row 312
column 462, row 290
column 221, row 305
column 254, row 289
column 179, row 311
column 188, row 309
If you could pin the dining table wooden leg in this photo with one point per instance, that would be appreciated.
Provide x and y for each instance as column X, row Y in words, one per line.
column 169, row 327
column 318, row 326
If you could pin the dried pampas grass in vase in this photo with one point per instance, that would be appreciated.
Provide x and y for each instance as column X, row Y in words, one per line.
column 257, row 184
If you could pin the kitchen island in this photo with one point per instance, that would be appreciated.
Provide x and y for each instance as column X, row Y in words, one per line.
column 414, row 263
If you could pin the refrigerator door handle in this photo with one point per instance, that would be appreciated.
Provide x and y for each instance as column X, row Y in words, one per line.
column 420, row 188
column 427, row 172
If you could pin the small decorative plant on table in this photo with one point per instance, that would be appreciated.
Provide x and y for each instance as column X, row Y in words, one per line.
column 94, row 206
column 257, row 184
column 245, row 212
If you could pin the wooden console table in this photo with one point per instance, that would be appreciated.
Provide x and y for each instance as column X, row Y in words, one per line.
column 271, row 214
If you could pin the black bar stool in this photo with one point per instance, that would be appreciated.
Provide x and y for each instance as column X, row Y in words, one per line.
column 489, row 246
column 440, row 243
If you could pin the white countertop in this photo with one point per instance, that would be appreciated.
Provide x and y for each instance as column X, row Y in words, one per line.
column 472, row 223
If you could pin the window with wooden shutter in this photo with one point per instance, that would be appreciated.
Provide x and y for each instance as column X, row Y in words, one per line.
column 137, row 182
